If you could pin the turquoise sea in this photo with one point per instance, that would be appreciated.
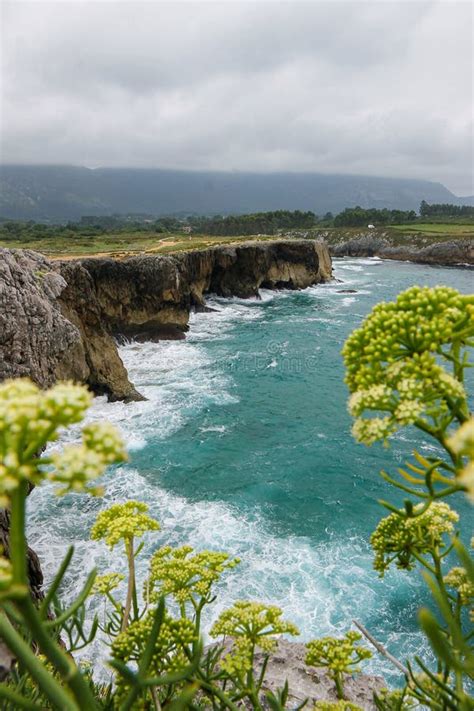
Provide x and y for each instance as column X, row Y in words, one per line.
column 244, row 445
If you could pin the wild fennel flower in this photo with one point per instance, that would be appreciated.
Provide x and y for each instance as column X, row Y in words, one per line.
column 461, row 443
column 187, row 577
column 371, row 430
column 104, row 584
column 401, row 538
column 466, row 478
column 174, row 634
column 105, row 440
column 393, row 361
column 30, row 418
column 458, row 579
column 339, row 655
column 122, row 522
column 250, row 624
column 75, row 467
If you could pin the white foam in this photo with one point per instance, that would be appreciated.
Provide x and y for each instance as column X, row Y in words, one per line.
column 320, row 587
column 214, row 428
column 226, row 315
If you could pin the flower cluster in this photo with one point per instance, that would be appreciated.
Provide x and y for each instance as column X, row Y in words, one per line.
column 458, row 579
column 401, row 538
column 187, row 577
column 338, row 655
column 30, row 418
column 462, row 441
column 174, row 634
column 104, row 584
column 462, row 444
column 250, row 624
column 392, row 360
column 122, row 522
column 370, row 430
column 105, row 440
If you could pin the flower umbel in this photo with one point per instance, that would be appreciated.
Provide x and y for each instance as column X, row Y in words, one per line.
column 187, row 577
column 168, row 650
column 395, row 360
column 462, row 444
column 250, row 624
column 337, row 654
column 104, row 584
column 122, row 522
column 401, row 538
column 30, row 418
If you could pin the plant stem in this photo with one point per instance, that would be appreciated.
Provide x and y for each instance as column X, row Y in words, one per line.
column 18, row 548
column 339, row 685
column 131, row 583
column 63, row 663
column 47, row 683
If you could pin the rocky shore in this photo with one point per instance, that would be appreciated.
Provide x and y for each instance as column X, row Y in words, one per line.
column 311, row 684
column 442, row 253
column 61, row 320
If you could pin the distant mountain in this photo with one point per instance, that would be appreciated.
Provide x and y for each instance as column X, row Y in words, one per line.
column 61, row 193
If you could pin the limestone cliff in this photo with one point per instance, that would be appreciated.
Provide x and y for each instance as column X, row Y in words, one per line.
column 34, row 334
column 444, row 253
column 59, row 320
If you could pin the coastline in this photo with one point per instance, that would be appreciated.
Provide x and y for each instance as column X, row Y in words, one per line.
column 453, row 253
column 62, row 320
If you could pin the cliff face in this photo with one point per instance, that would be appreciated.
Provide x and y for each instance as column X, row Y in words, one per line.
column 452, row 253
column 34, row 335
column 60, row 320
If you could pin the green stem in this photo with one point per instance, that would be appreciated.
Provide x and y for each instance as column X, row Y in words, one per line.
column 18, row 701
column 131, row 583
column 47, row 683
column 220, row 695
column 64, row 664
column 339, row 685
column 61, row 662
column 18, row 547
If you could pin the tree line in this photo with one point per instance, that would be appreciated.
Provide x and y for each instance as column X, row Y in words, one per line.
column 268, row 223
column 359, row 217
column 445, row 210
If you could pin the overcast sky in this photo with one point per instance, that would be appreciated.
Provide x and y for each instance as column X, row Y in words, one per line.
column 380, row 88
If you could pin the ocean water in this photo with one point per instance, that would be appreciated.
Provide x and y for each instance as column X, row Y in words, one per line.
column 244, row 445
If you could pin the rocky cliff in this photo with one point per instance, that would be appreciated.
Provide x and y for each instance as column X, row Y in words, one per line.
column 444, row 253
column 60, row 320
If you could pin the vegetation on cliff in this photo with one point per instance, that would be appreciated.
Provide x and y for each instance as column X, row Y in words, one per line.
column 405, row 367
column 123, row 235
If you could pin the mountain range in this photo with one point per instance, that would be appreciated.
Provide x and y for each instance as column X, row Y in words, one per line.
column 62, row 193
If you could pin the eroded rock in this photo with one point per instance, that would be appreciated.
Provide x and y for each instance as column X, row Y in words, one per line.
column 60, row 320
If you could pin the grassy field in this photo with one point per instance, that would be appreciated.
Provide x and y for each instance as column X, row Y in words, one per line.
column 119, row 245
column 122, row 244
column 437, row 228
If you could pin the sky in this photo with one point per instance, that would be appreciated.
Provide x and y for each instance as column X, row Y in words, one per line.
column 372, row 88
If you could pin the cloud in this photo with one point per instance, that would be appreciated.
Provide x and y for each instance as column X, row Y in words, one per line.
column 380, row 88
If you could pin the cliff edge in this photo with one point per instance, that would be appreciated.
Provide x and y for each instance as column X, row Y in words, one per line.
column 60, row 320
